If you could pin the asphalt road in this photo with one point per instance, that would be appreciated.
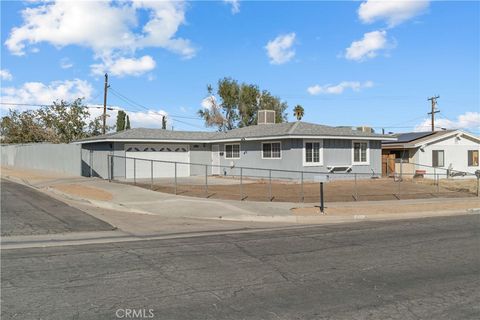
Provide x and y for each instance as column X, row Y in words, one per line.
column 25, row 211
column 417, row 269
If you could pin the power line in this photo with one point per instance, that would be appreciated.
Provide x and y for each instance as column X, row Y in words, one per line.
column 46, row 105
column 173, row 117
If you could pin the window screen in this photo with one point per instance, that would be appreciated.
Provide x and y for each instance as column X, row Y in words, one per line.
column 438, row 158
column 473, row 158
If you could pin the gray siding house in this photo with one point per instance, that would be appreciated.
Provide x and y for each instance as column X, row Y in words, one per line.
column 298, row 146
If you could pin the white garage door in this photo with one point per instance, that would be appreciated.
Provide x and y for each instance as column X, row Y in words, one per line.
column 166, row 152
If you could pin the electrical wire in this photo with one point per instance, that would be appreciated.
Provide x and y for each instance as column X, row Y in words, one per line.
column 46, row 105
column 133, row 103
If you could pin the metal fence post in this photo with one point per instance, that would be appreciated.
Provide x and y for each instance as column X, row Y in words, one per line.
column 175, row 178
column 108, row 168
column 356, row 189
column 478, row 186
column 401, row 169
column 270, row 183
column 321, row 198
column 302, row 191
column 206, row 180
column 134, row 171
column 241, row 183
column 91, row 163
column 399, row 184
column 438, row 183
column 151, row 174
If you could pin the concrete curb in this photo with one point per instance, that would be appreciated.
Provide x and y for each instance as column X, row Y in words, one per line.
column 292, row 219
column 320, row 219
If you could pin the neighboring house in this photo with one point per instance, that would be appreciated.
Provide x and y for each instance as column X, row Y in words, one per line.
column 285, row 146
column 432, row 153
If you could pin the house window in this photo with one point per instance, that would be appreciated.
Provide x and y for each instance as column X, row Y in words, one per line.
column 401, row 155
column 360, row 152
column 271, row 150
column 312, row 152
column 232, row 151
column 438, row 158
column 473, row 158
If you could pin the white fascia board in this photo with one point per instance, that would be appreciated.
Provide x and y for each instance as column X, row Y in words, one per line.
column 233, row 139
column 451, row 134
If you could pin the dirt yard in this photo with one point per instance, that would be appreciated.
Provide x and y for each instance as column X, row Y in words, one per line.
column 84, row 191
column 335, row 191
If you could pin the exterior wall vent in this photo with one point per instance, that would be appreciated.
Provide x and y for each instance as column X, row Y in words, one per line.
column 266, row 117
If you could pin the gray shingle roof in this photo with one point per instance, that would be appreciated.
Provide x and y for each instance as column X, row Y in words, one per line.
column 291, row 129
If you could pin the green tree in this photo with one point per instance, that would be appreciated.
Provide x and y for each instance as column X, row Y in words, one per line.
column 61, row 122
column 24, row 127
column 237, row 105
column 67, row 120
column 121, row 120
column 127, row 126
column 298, row 112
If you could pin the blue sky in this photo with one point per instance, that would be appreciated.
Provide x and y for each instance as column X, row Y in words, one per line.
column 346, row 62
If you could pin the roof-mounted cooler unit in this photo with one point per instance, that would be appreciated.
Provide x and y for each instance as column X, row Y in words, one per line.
column 266, row 117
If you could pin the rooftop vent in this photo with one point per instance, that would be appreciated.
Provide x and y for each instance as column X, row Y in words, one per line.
column 266, row 117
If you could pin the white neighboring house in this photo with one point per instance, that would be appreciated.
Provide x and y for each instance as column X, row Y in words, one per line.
column 432, row 153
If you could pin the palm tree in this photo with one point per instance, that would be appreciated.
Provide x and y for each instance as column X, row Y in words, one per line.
column 298, row 112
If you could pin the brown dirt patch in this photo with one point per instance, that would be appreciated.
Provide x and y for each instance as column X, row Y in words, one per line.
column 334, row 191
column 84, row 191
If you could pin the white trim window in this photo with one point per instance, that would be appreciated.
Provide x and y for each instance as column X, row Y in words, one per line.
column 313, row 153
column 271, row 150
column 360, row 152
column 438, row 158
column 232, row 151
column 473, row 158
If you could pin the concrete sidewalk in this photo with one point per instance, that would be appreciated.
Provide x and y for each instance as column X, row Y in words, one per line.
column 143, row 202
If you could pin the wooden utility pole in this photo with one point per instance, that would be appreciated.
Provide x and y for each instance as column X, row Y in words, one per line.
column 105, row 104
column 434, row 103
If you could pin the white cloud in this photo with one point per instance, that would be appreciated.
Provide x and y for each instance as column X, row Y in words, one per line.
column 40, row 93
column 5, row 75
column 138, row 119
column 65, row 63
column 124, row 66
column 368, row 46
column 393, row 12
column 208, row 102
column 111, row 29
column 279, row 50
column 339, row 88
column 235, row 5
column 468, row 120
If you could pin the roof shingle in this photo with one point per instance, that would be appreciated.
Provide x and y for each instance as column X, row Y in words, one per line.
column 292, row 129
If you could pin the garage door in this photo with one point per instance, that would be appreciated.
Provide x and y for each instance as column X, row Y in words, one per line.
column 168, row 152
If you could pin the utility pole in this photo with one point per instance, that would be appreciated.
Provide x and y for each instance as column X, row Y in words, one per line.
column 105, row 104
column 434, row 103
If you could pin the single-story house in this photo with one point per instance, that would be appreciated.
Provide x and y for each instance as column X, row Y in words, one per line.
column 447, row 153
column 297, row 146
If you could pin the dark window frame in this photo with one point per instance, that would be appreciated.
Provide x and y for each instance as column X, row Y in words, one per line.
column 436, row 158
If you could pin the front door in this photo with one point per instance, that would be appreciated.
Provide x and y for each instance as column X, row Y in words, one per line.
column 215, row 159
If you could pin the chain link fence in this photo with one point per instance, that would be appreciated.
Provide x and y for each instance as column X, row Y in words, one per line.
column 261, row 184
